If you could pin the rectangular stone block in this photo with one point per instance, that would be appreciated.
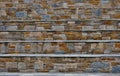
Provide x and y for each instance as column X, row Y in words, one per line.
column 28, row 28
column 21, row 65
column 58, row 28
column 11, row 65
column 2, row 28
column 10, row 28
column 21, row 14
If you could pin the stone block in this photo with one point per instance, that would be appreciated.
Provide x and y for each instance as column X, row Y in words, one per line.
column 39, row 65
column 10, row 28
column 116, row 69
column 91, row 70
column 28, row 1
column 21, row 65
column 11, row 64
column 100, row 65
column 2, row 28
column 58, row 28
column 21, row 14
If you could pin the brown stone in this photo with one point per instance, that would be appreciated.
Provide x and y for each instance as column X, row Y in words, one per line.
column 115, row 63
column 117, row 45
column 9, row 5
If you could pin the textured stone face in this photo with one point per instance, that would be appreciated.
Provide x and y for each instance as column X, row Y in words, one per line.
column 2, row 28
column 27, row 21
column 21, row 65
column 116, row 69
column 21, row 14
column 62, row 65
column 65, row 48
column 100, row 65
column 63, row 9
column 9, row 28
column 28, row 1
column 92, row 70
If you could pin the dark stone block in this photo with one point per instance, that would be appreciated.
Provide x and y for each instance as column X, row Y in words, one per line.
column 46, row 17
column 91, row 70
column 59, row 52
column 71, row 46
column 116, row 69
column 2, row 28
column 3, row 70
column 100, row 65
column 21, row 14
column 28, row 1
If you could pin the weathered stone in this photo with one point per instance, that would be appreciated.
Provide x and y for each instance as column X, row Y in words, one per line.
column 21, row 65
column 3, row 70
column 10, row 28
column 59, row 52
column 46, row 17
column 2, row 28
column 100, row 65
column 28, row 28
column 21, row 14
column 58, row 28
column 116, row 69
column 70, row 46
column 11, row 65
column 91, row 70
column 39, row 65
column 28, row 1
column 107, row 51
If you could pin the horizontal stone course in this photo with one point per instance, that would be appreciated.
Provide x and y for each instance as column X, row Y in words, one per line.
column 60, row 9
column 60, row 48
column 63, row 65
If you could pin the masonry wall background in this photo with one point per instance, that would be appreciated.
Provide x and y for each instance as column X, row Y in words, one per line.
column 25, row 25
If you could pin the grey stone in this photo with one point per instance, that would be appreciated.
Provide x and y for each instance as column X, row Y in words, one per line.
column 59, row 52
column 29, row 27
column 2, row 49
column 100, row 65
column 55, row 5
column 36, row 5
column 21, row 47
column 2, row 28
column 21, row 65
column 107, row 51
column 21, row 14
column 3, row 70
column 97, row 12
column 78, row 1
column 40, row 28
column 9, row 75
column 10, row 28
column 38, row 65
column 11, row 64
column 47, row 46
column 70, row 46
column 105, row 1
column 45, row 16
column 58, row 28
column 42, row 11
column 116, row 69
column 28, row 1
column 91, row 70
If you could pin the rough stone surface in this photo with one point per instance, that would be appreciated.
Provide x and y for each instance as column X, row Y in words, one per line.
column 116, row 69
column 100, row 65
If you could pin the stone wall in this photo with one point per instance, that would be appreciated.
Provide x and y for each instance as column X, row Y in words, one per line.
column 58, row 9
column 63, row 65
column 26, row 24
column 59, row 48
